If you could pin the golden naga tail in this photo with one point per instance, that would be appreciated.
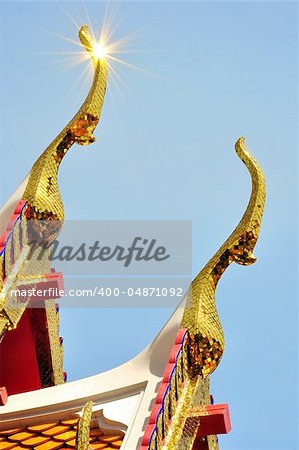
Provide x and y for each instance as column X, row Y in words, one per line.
column 41, row 200
column 42, row 193
column 200, row 316
column 83, row 430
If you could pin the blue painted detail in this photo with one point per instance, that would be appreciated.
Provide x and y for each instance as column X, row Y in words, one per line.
column 153, row 435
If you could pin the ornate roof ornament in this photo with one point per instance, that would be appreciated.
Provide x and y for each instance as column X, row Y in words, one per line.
column 41, row 193
column 200, row 316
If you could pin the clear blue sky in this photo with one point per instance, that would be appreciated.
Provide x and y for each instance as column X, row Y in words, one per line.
column 165, row 150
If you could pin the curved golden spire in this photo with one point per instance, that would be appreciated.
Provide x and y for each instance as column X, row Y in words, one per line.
column 83, row 430
column 42, row 193
column 200, row 316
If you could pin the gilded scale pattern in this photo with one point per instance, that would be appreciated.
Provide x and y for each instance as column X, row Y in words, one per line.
column 206, row 344
column 42, row 193
column 205, row 341
column 44, row 207
column 200, row 315
column 82, row 437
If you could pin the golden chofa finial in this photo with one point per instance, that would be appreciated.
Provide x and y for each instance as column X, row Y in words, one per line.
column 97, row 49
column 200, row 315
column 42, row 193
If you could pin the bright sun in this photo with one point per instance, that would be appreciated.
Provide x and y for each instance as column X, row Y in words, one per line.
column 99, row 50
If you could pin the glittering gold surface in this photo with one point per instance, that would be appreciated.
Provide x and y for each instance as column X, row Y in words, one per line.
column 179, row 432
column 82, row 437
column 42, row 217
column 42, row 193
column 23, row 272
column 203, row 344
column 55, row 345
column 200, row 315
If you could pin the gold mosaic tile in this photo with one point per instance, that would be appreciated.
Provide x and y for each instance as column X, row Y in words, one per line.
column 200, row 317
column 42, row 216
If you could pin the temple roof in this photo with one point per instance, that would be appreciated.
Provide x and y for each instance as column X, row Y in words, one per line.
column 56, row 435
column 161, row 397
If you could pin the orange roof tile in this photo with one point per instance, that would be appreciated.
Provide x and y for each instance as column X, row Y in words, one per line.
column 50, row 445
column 67, row 436
column 11, row 431
column 20, row 447
column 34, row 441
column 54, row 436
column 57, row 429
column 99, row 446
column 22, row 436
column 70, row 422
column 109, row 438
column 116, row 444
column 43, row 426
column 6, row 445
